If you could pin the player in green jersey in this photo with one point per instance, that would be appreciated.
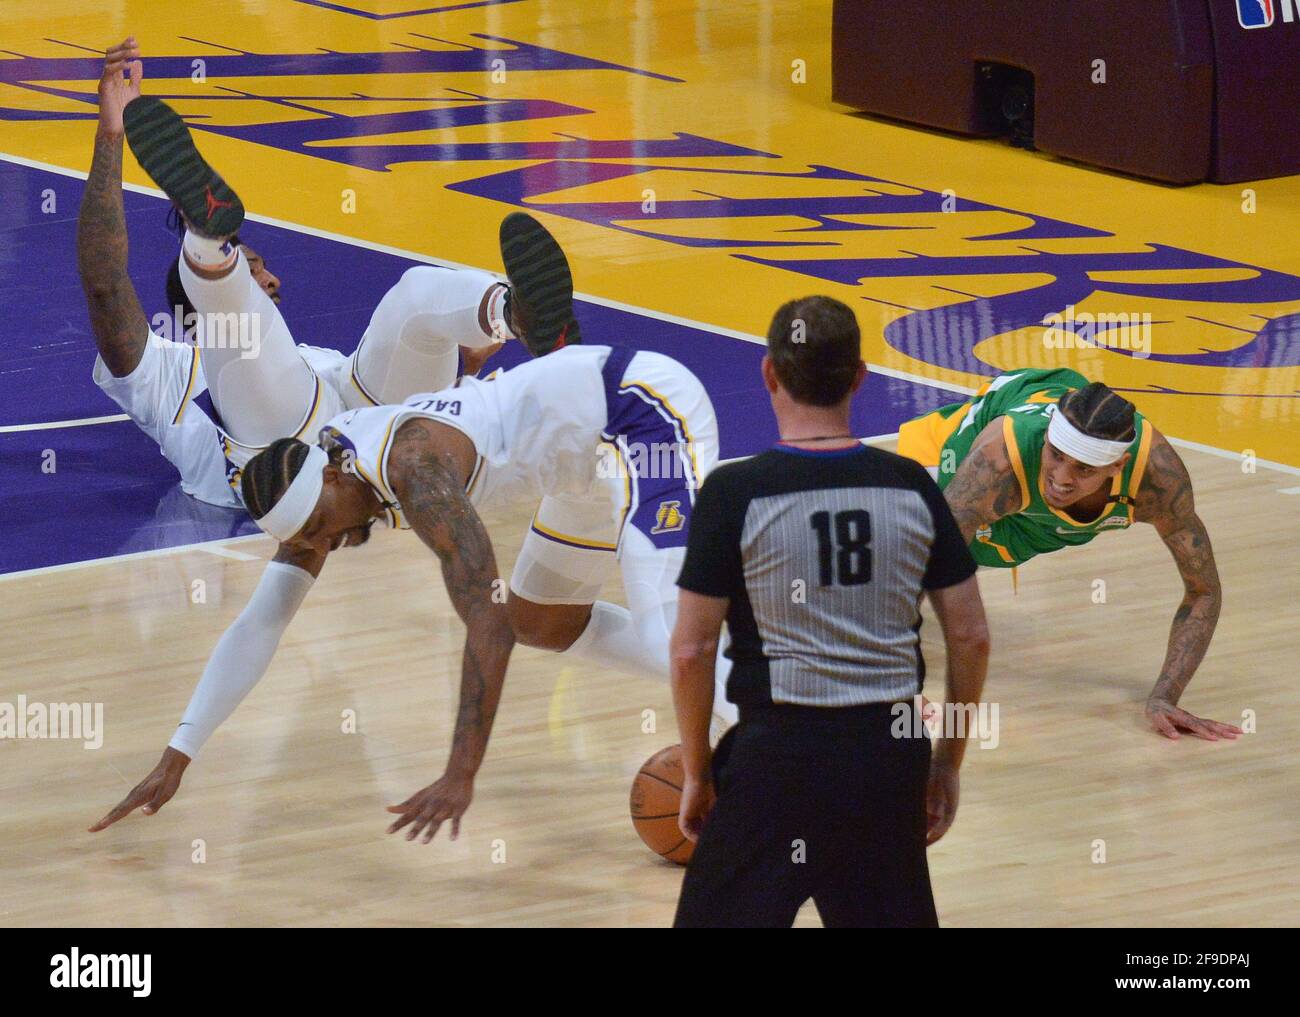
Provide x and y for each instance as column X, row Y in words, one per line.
column 1038, row 460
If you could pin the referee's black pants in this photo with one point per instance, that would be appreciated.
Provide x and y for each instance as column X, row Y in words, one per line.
column 820, row 803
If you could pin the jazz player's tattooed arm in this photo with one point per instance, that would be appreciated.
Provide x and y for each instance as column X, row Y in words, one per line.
column 985, row 487
column 1165, row 500
column 429, row 483
column 116, row 317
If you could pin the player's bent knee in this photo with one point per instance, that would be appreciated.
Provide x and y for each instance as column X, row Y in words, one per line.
column 418, row 280
column 547, row 626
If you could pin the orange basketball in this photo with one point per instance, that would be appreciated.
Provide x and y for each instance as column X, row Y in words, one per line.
column 656, row 800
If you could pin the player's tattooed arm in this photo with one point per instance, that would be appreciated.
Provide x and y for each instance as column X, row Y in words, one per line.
column 116, row 318
column 428, row 482
column 1165, row 500
column 985, row 487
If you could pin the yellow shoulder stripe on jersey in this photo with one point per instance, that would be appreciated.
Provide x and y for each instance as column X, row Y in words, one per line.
column 1002, row 551
column 311, row 413
column 1013, row 452
column 474, row 477
column 356, row 463
column 189, row 388
column 382, row 459
column 627, row 489
column 1140, row 467
column 356, row 381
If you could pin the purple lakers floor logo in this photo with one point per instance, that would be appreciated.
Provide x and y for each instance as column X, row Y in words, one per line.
column 559, row 173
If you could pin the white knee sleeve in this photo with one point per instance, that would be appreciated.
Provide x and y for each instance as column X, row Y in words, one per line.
column 412, row 342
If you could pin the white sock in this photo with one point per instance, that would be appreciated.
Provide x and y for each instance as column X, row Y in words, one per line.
column 496, row 315
column 208, row 253
column 610, row 639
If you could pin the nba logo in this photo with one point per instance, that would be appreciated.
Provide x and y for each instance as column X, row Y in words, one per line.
column 1255, row 13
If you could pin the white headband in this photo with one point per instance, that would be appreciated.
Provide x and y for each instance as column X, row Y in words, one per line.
column 1083, row 447
column 295, row 506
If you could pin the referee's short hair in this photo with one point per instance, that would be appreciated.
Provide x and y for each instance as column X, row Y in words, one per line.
column 816, row 348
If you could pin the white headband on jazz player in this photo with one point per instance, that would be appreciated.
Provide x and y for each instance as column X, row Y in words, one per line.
column 295, row 506
column 1084, row 447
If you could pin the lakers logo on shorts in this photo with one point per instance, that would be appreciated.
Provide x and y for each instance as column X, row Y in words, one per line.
column 669, row 518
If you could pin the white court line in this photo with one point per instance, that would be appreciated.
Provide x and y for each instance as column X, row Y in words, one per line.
column 221, row 548
column 211, row 546
column 602, row 301
column 50, row 425
column 217, row 546
column 427, row 259
column 1224, row 453
column 225, row 552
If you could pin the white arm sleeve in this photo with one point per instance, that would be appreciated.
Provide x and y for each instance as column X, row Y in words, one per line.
column 242, row 654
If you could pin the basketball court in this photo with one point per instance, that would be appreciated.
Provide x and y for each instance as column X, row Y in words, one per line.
column 688, row 157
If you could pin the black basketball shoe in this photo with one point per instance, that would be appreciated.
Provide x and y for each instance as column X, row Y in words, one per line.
column 540, row 303
column 164, row 148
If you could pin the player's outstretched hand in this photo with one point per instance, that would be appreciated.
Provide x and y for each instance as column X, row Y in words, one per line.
column 698, row 800
column 152, row 793
column 941, row 793
column 119, row 84
column 1169, row 720
column 446, row 798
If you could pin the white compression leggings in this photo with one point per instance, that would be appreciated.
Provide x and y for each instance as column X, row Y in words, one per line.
column 259, row 384
column 635, row 639
column 262, row 387
column 412, row 342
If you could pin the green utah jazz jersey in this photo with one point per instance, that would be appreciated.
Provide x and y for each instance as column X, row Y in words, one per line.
column 1026, row 400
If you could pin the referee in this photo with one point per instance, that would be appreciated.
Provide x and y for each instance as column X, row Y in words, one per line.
column 816, row 554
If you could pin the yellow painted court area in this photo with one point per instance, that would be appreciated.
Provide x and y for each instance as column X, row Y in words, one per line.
column 687, row 156
column 749, row 78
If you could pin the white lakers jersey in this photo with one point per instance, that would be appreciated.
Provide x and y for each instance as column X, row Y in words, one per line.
column 536, row 429
column 330, row 369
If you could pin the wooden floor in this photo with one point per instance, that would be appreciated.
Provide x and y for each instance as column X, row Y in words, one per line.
column 722, row 110
column 290, row 811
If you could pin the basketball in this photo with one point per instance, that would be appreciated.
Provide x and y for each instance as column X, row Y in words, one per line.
column 655, row 801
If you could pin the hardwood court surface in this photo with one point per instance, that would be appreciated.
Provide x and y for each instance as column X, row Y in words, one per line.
column 687, row 155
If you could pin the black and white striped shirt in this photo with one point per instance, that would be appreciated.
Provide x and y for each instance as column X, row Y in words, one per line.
column 824, row 556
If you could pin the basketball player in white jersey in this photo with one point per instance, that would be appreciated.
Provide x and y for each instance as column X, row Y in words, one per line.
column 613, row 442
column 211, row 406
